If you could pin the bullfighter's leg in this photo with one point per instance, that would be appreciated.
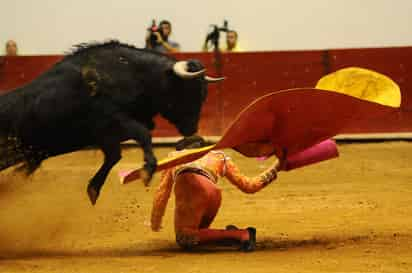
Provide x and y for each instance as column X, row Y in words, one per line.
column 189, row 238
column 197, row 203
column 112, row 155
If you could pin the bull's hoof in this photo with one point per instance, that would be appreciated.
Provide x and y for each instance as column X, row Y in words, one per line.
column 148, row 170
column 146, row 177
column 93, row 194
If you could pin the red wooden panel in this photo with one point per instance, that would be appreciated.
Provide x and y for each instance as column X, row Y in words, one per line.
column 16, row 71
column 253, row 74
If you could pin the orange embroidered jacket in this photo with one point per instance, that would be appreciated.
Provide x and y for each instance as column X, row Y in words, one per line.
column 213, row 165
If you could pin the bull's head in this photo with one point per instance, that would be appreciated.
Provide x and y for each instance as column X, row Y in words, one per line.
column 189, row 94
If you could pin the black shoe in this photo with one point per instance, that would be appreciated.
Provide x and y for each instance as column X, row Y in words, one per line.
column 231, row 227
column 249, row 245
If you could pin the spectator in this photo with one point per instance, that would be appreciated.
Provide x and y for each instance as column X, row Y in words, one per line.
column 162, row 43
column 11, row 48
column 232, row 44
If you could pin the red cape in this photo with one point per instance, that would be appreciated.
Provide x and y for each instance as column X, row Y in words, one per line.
column 290, row 120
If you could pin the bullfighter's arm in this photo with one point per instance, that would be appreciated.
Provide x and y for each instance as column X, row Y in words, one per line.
column 250, row 185
column 161, row 198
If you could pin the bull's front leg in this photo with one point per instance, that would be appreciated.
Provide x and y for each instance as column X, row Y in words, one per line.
column 138, row 132
column 110, row 138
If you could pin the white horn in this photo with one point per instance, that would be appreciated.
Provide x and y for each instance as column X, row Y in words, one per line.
column 212, row 80
column 180, row 68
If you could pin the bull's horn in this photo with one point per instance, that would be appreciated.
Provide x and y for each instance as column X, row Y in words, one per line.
column 180, row 68
column 212, row 80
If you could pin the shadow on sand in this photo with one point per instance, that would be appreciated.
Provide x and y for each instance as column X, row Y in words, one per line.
column 169, row 249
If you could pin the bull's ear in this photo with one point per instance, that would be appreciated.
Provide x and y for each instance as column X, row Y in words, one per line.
column 214, row 80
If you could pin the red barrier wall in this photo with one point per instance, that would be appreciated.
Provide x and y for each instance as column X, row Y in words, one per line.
column 253, row 74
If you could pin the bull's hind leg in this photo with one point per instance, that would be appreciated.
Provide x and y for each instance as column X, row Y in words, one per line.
column 112, row 155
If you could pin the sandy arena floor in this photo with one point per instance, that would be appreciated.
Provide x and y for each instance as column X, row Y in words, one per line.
column 351, row 214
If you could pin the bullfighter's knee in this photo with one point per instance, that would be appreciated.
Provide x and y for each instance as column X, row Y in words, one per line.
column 187, row 240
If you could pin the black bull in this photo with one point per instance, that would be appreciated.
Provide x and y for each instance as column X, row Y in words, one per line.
column 100, row 95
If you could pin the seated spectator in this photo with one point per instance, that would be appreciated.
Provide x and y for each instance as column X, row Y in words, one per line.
column 162, row 43
column 11, row 48
column 232, row 44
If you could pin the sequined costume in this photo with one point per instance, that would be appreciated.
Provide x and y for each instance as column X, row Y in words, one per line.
column 198, row 197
